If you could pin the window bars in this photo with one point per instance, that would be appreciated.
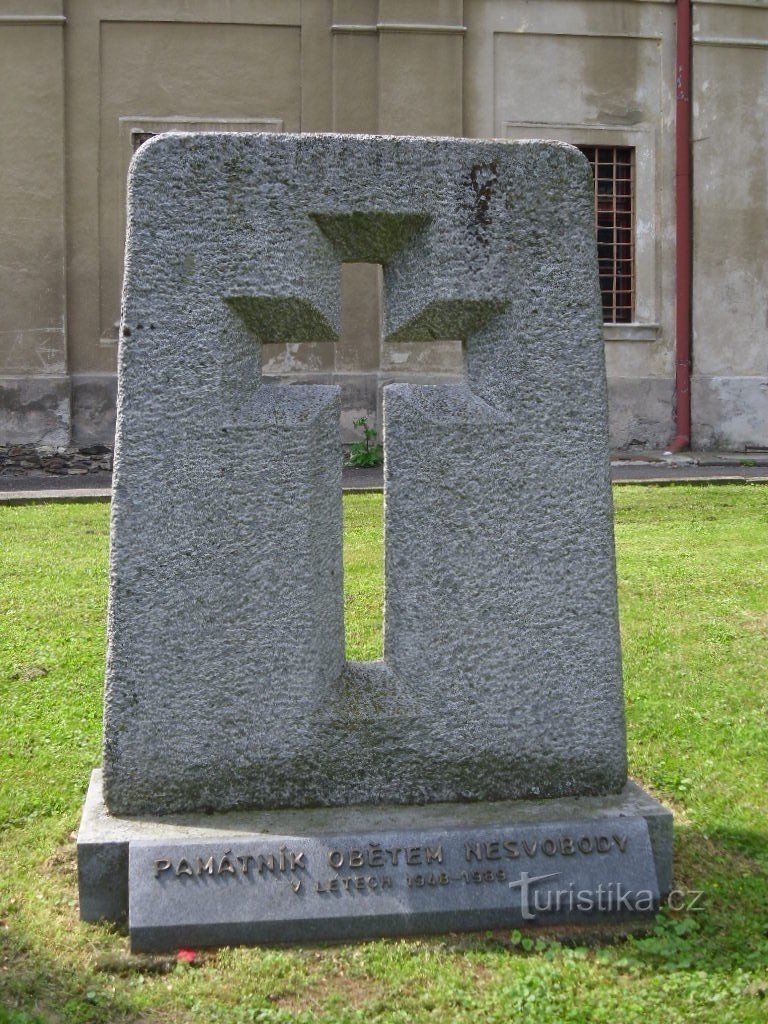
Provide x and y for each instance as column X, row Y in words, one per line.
column 613, row 176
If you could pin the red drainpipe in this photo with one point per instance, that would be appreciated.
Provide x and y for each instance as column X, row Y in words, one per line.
column 683, row 327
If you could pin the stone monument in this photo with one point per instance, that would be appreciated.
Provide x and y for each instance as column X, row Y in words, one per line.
column 256, row 786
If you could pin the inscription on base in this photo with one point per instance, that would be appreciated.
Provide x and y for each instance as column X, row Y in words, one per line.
column 265, row 888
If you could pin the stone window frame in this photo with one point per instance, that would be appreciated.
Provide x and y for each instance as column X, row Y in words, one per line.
column 130, row 125
column 642, row 139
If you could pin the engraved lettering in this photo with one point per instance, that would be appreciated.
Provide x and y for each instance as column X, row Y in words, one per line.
column 225, row 864
column 161, row 865
column 244, row 863
column 265, row 861
column 374, row 855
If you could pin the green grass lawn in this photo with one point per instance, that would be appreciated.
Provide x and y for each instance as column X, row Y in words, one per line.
column 693, row 577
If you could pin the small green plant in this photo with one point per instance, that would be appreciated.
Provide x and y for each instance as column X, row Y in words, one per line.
column 367, row 452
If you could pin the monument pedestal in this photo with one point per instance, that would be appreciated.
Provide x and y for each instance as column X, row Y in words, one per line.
column 500, row 684
column 361, row 872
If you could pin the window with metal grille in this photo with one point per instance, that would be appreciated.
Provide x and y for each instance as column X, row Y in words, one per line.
column 613, row 176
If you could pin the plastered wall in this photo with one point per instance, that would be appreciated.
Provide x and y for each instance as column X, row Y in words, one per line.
column 730, row 154
column 34, row 384
column 79, row 79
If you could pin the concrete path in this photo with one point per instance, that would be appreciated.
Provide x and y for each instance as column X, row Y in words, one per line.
column 641, row 468
column 34, row 485
column 653, row 473
column 689, row 467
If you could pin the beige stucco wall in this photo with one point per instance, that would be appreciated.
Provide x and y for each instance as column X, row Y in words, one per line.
column 596, row 73
column 78, row 77
column 730, row 148
column 34, row 387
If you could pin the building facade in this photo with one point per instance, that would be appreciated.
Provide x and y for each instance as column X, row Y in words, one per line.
column 84, row 82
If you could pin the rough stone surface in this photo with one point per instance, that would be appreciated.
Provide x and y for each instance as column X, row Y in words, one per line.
column 20, row 460
column 104, row 840
column 226, row 685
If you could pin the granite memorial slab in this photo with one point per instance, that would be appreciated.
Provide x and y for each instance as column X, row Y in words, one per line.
column 227, row 687
column 501, row 674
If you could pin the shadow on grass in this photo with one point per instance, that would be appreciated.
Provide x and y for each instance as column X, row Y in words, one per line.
column 46, row 980
column 36, row 987
column 716, row 919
